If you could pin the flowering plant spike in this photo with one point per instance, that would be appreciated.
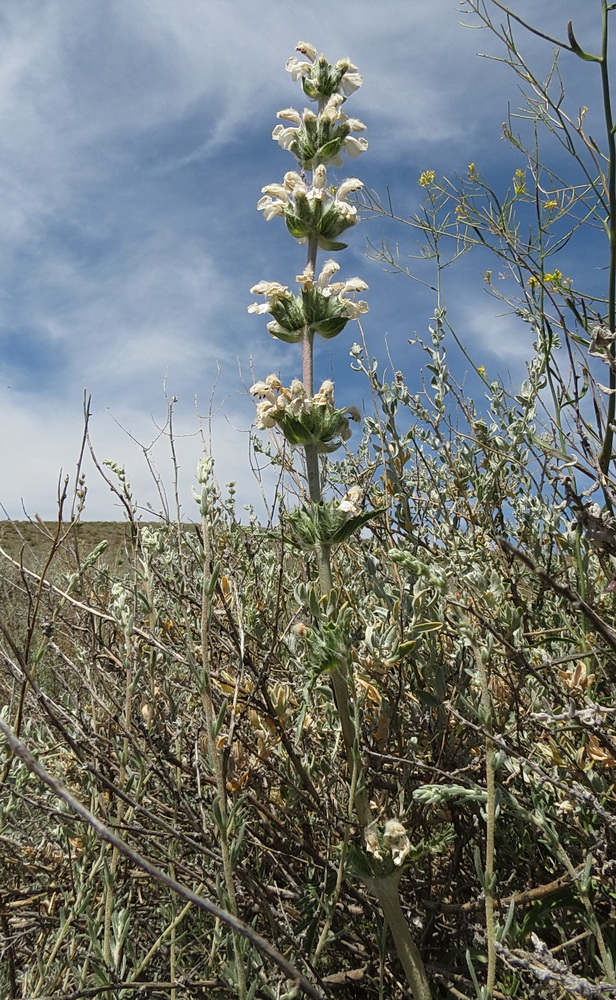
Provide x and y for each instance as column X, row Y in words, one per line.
column 316, row 213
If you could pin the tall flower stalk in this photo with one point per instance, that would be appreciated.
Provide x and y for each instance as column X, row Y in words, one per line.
column 316, row 214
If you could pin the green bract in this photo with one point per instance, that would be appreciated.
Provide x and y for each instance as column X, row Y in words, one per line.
column 325, row 524
column 308, row 220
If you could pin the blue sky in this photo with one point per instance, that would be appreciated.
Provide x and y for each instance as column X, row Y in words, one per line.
column 136, row 140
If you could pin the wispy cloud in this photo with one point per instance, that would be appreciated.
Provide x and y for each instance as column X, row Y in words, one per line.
column 135, row 143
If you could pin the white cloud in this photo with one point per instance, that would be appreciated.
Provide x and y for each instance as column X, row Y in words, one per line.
column 136, row 138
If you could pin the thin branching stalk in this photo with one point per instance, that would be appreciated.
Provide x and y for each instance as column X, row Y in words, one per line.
column 489, row 875
column 214, row 753
column 606, row 452
column 107, row 835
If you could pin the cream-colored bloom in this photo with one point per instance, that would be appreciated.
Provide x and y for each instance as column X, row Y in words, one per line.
column 275, row 191
column 325, row 395
column 296, row 68
column 355, row 125
column 264, row 390
column 396, row 840
column 354, row 146
column 307, row 50
column 297, row 389
column 258, row 308
column 347, row 187
column 265, row 415
column 274, row 201
column 330, row 267
column 284, row 136
column 319, row 177
column 354, row 285
column 306, row 279
column 356, row 309
column 290, row 115
column 293, row 181
column 347, row 212
column 333, row 109
column 372, row 842
column 273, row 289
column 353, row 309
column 351, row 81
column 351, row 502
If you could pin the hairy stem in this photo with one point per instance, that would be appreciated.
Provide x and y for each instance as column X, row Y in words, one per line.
column 388, row 896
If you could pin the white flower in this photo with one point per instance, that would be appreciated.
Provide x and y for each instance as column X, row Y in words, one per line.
column 351, row 81
column 264, row 390
column 270, row 208
column 275, row 191
column 265, row 415
column 355, row 125
column 258, row 308
column 290, row 115
column 296, row 390
column 325, row 395
column 306, row 280
column 353, row 309
column 353, row 285
column 293, row 181
column 347, row 212
column 319, row 177
column 274, row 202
column 330, row 267
column 284, row 136
column 351, row 502
column 307, row 50
column 601, row 338
column 372, row 842
column 333, row 109
column 297, row 69
column 396, row 840
column 355, row 146
column 273, row 290
column 347, row 187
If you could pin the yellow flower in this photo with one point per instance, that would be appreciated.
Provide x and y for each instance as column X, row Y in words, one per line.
column 533, row 281
column 427, row 178
column 552, row 203
column 557, row 280
column 519, row 181
column 481, row 370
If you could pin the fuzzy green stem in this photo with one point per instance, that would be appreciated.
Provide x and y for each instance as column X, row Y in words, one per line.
column 387, row 894
column 385, row 890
